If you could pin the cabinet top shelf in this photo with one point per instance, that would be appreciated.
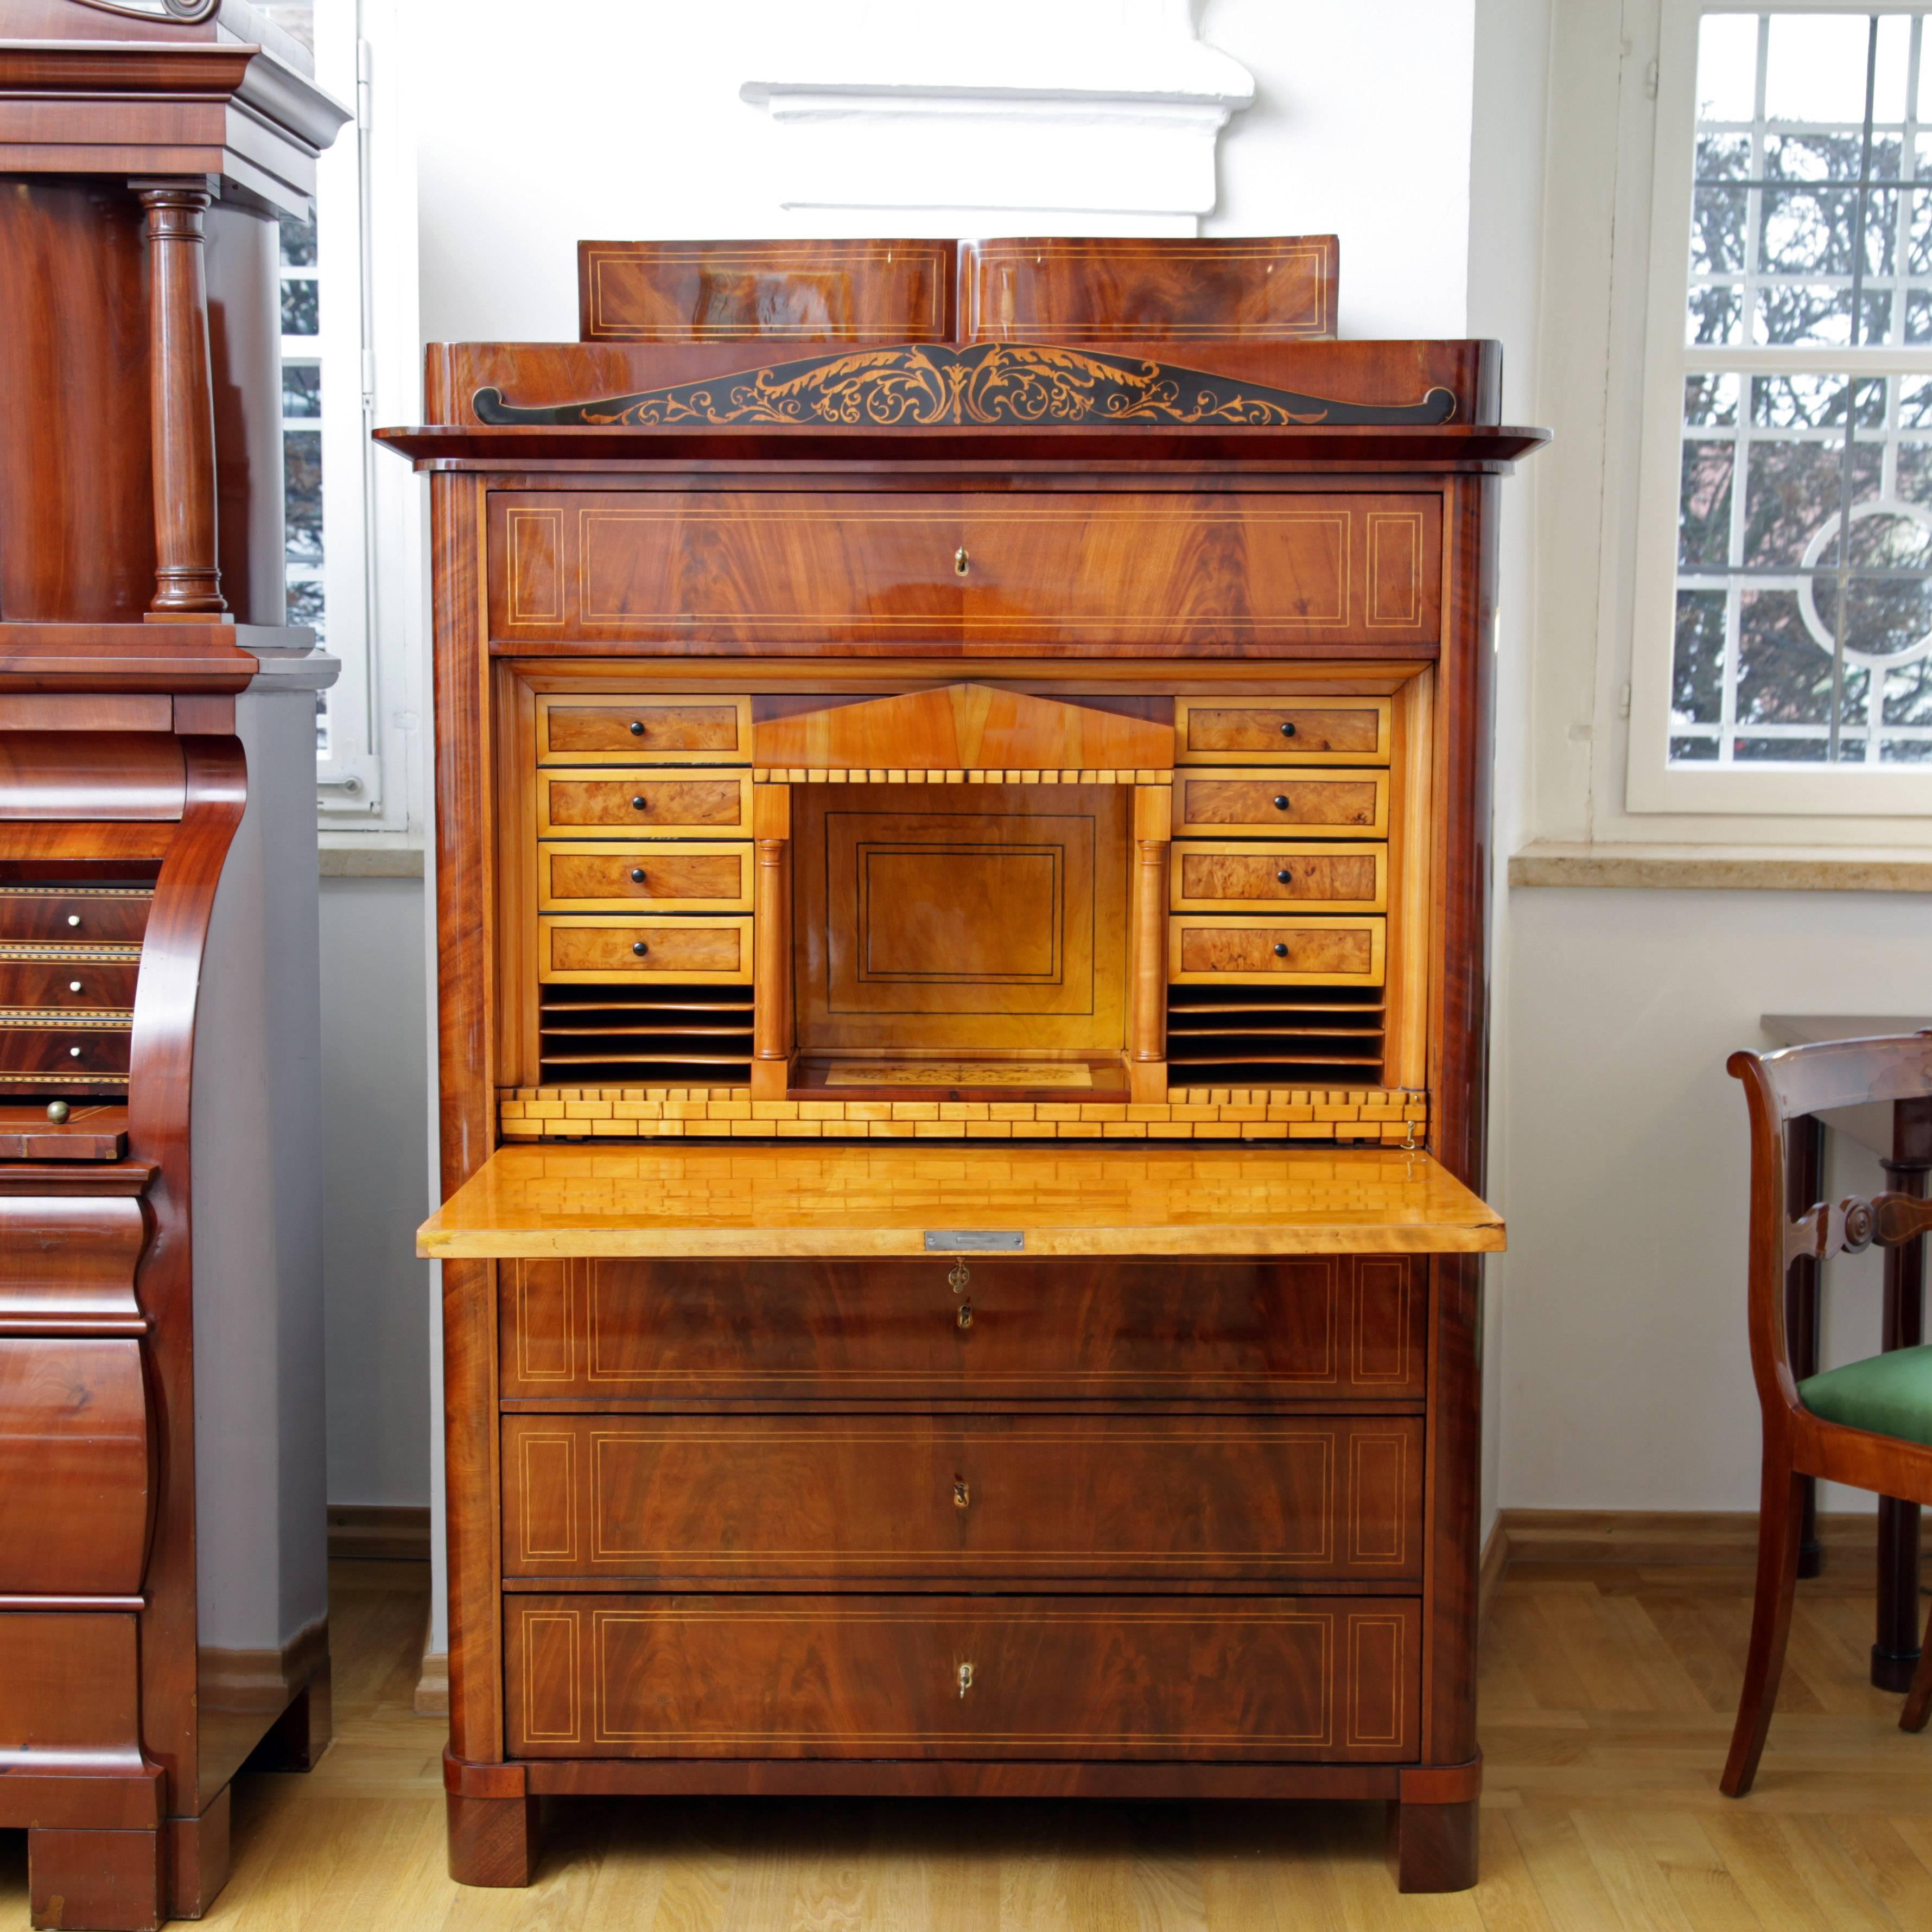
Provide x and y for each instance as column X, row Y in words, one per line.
column 826, row 1202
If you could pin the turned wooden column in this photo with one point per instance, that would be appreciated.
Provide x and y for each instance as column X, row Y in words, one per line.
column 771, row 943
column 1147, row 1023
column 188, row 581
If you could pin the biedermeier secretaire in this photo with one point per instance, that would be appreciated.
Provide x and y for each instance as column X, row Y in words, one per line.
column 162, row 1587
column 962, row 780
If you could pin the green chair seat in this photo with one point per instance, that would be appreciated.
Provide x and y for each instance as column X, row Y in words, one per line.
column 1890, row 1395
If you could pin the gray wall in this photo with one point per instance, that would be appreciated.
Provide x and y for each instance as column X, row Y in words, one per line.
column 376, row 1184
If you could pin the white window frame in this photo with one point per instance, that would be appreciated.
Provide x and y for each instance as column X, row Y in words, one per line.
column 369, row 784
column 1653, row 785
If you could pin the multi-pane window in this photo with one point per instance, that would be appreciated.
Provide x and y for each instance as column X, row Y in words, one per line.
column 301, row 439
column 1804, row 569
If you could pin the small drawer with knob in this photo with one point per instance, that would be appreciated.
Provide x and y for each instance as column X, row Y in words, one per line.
column 1306, row 730
column 649, row 799
column 1207, row 950
column 647, row 729
column 67, row 916
column 1231, row 875
column 611, row 877
column 1338, row 804
column 593, row 948
column 81, row 983
column 76, row 1045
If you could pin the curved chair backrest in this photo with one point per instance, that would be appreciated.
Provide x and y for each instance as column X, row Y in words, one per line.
column 1781, row 1088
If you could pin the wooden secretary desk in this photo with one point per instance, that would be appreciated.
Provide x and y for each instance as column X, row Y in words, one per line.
column 962, row 780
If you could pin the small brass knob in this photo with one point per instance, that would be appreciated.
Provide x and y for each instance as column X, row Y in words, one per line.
column 965, row 1315
column 1280, row 802
column 638, row 803
column 1287, row 729
column 965, row 1678
column 1280, row 952
column 638, row 946
column 961, row 562
column 58, row 1111
column 74, row 919
column 962, row 1495
column 637, row 727
column 959, row 1278
column 637, row 875
column 1284, row 876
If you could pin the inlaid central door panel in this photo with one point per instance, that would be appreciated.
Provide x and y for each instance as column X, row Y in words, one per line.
column 704, row 1496
column 1310, row 1679
column 1144, row 567
column 955, row 917
column 1311, row 1329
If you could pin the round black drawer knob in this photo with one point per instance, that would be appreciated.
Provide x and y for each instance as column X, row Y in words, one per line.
column 1281, row 802
column 1283, row 877
column 638, row 946
column 637, row 727
column 638, row 803
column 1287, row 729
column 1280, row 951
column 637, row 875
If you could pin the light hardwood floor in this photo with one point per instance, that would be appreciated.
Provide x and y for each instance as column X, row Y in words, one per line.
column 1606, row 1691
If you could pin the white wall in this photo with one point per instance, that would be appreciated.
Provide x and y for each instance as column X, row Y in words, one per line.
column 375, row 1183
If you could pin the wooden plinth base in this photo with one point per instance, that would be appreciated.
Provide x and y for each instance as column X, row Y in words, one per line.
column 105, row 1881
column 1433, row 1847
column 493, row 1841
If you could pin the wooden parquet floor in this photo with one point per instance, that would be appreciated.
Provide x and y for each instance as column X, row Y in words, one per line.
column 1606, row 1693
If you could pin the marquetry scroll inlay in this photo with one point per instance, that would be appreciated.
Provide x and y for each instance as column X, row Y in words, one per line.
column 924, row 385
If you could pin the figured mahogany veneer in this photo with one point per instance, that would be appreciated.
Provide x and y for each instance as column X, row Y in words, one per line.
column 761, row 568
column 1310, row 1680
column 1309, row 1330
column 983, row 1496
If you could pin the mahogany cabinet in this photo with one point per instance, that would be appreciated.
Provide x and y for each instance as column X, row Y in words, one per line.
column 962, row 779
column 162, row 1587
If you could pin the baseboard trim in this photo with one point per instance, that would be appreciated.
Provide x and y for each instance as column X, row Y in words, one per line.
column 383, row 1531
column 1489, row 1571
column 1722, row 1537
column 432, row 1697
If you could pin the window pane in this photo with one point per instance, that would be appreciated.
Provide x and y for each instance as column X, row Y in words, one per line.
column 302, row 389
column 1727, row 67
column 300, row 307
column 297, row 244
column 1696, row 695
column 1815, row 66
column 301, row 494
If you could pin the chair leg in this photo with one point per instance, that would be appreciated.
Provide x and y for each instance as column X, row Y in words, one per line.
column 1918, row 1698
column 1780, row 1519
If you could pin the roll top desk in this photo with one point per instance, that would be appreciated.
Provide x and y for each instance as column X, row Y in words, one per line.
column 962, row 779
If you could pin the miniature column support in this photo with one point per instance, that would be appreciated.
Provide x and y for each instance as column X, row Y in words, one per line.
column 188, row 580
column 771, row 943
column 1147, row 1023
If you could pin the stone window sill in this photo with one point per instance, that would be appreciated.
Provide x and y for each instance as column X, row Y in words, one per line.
column 1724, row 868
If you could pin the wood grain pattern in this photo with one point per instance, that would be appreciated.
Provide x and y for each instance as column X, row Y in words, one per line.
column 1353, row 804
column 1308, row 730
column 581, row 951
column 856, row 1201
column 1121, row 290
column 1219, row 875
column 954, row 921
column 829, row 291
column 644, row 729
column 1306, row 1331
column 1315, row 1679
column 645, row 800
column 97, row 775
column 1297, row 952
column 763, row 568
column 961, row 727
column 983, row 1496
column 614, row 876
column 74, row 915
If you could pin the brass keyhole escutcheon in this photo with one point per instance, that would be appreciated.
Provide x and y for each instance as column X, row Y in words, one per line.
column 959, row 1278
column 962, row 1496
column 961, row 562
column 965, row 1678
column 965, row 1315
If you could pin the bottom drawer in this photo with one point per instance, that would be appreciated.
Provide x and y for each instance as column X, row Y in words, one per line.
column 1320, row 1679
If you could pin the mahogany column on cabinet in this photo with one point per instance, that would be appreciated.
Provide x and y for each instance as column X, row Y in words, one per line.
column 188, row 581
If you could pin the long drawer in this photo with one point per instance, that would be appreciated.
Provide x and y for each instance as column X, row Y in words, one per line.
column 1312, row 1679
column 1142, row 567
column 1314, row 1328
column 823, row 1496
column 1336, row 804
